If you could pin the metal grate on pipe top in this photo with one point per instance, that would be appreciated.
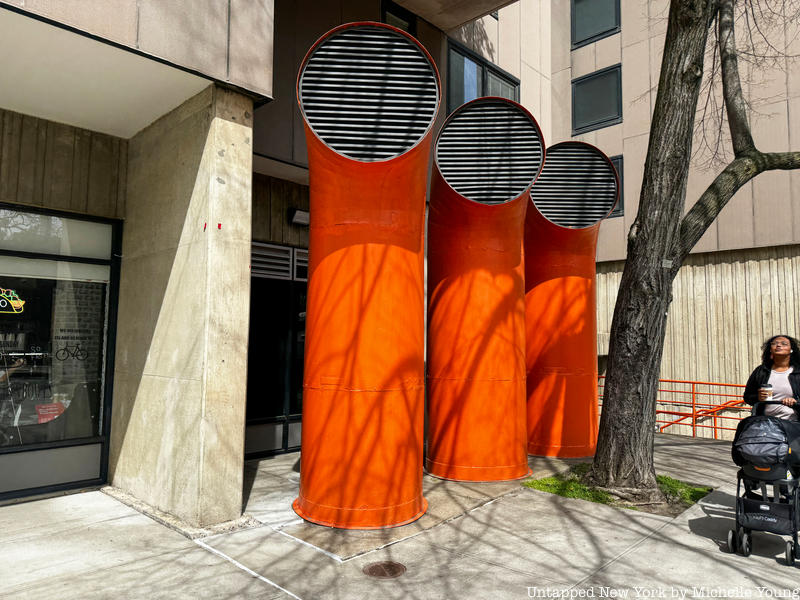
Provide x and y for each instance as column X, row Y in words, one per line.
column 369, row 92
column 577, row 187
column 490, row 151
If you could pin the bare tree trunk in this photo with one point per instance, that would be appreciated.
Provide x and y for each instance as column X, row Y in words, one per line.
column 624, row 459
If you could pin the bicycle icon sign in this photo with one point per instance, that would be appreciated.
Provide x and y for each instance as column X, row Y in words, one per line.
column 71, row 351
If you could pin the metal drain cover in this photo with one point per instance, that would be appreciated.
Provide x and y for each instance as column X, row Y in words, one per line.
column 384, row 570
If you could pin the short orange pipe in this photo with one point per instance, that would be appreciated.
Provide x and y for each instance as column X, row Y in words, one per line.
column 363, row 385
column 476, row 334
column 561, row 324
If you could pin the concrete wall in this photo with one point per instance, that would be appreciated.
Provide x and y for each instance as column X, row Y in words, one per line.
column 181, row 360
column 57, row 166
column 228, row 40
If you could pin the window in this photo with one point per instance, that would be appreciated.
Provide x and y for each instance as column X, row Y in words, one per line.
column 399, row 17
column 54, row 288
column 597, row 100
column 469, row 76
column 593, row 20
column 619, row 209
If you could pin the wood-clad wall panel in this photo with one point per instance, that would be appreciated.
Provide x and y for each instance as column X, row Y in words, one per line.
column 58, row 166
column 273, row 203
column 724, row 306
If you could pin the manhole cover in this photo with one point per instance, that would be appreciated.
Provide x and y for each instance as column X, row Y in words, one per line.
column 384, row 570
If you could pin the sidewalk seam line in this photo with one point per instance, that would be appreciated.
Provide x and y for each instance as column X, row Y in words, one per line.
column 335, row 557
column 244, row 568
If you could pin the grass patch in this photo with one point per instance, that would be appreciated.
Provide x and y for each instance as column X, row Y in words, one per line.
column 569, row 485
column 679, row 491
column 679, row 494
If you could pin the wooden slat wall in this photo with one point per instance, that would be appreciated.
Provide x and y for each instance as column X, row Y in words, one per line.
column 273, row 200
column 57, row 166
column 725, row 304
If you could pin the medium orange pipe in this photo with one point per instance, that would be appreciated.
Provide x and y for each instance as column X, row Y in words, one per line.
column 561, row 322
column 476, row 330
column 363, row 385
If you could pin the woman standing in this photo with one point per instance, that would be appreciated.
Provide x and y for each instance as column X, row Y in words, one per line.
column 780, row 367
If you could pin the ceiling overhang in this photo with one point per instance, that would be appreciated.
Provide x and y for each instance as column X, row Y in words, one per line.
column 449, row 14
column 66, row 76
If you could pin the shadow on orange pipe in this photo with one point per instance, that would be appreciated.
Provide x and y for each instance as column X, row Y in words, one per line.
column 488, row 153
column 576, row 190
column 369, row 94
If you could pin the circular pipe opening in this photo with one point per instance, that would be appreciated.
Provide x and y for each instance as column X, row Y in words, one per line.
column 490, row 150
column 368, row 92
column 578, row 186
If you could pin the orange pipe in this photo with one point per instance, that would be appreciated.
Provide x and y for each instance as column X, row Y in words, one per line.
column 561, row 324
column 476, row 333
column 363, row 385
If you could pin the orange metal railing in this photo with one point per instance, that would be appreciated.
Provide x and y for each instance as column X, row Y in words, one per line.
column 701, row 405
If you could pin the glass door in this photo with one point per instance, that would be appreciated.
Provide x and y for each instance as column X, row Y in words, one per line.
column 275, row 350
column 56, row 312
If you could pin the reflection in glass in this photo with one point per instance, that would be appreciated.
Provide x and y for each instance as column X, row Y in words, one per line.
column 49, row 234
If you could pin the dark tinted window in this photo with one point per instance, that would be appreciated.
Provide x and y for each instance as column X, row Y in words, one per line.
column 469, row 76
column 619, row 209
column 399, row 17
column 597, row 100
column 593, row 19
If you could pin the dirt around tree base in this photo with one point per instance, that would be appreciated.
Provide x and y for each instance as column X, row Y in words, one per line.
column 665, row 509
column 650, row 501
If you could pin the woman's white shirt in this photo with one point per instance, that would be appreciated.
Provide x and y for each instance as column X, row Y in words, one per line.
column 781, row 388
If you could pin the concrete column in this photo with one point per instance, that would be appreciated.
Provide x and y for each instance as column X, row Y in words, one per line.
column 178, row 416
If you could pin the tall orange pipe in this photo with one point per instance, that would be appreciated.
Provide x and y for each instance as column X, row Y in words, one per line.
column 363, row 385
column 560, row 301
column 476, row 315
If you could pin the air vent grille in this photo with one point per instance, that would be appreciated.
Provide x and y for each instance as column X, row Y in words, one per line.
column 489, row 151
column 577, row 187
column 369, row 93
column 270, row 261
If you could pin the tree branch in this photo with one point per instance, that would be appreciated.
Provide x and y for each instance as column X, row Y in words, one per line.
column 741, row 170
column 731, row 85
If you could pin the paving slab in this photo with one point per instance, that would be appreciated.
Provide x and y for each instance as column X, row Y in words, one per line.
column 691, row 557
column 92, row 546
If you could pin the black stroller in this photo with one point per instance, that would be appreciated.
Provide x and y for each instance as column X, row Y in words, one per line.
column 768, row 451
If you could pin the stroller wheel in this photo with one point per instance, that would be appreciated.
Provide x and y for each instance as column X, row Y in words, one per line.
column 732, row 541
column 746, row 544
column 789, row 553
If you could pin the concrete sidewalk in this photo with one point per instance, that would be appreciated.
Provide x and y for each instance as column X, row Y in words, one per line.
column 478, row 541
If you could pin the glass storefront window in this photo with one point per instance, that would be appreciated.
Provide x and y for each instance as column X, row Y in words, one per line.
column 52, row 349
column 53, row 322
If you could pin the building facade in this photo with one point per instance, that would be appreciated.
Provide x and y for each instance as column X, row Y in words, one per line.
column 153, row 235
column 738, row 286
column 154, row 211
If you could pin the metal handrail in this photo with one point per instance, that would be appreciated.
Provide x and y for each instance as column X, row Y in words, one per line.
column 700, row 406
